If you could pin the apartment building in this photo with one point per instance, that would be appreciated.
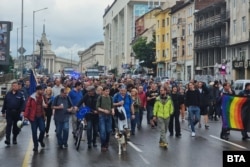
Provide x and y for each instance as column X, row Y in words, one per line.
column 211, row 38
column 181, row 66
column 91, row 56
column 119, row 30
column 163, row 41
column 238, row 49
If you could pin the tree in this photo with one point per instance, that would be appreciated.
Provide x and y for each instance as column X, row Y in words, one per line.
column 145, row 51
column 7, row 68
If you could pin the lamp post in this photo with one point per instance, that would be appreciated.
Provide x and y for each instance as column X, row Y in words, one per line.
column 33, row 55
column 17, row 29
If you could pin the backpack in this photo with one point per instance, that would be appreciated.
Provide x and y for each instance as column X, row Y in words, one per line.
column 56, row 100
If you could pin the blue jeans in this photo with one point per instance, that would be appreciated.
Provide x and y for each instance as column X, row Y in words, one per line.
column 194, row 116
column 62, row 132
column 105, row 123
column 149, row 113
column 134, row 122
column 39, row 122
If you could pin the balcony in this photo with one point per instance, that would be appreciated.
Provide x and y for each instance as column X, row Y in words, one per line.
column 216, row 41
column 211, row 22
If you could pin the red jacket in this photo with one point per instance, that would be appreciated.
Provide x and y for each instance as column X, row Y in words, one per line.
column 143, row 99
column 30, row 109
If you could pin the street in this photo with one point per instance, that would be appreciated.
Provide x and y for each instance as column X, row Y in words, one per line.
column 204, row 150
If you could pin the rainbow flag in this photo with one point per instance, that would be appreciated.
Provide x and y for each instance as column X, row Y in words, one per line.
column 232, row 109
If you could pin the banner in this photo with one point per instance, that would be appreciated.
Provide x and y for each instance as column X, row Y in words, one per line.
column 234, row 110
column 32, row 82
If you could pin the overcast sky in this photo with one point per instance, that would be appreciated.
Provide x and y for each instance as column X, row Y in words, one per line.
column 71, row 25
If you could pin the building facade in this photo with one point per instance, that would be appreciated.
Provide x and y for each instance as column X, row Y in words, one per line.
column 182, row 65
column 238, row 49
column 44, row 58
column 94, row 55
column 119, row 30
column 211, row 38
column 163, row 42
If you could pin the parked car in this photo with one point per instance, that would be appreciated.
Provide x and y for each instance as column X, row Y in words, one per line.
column 1, row 73
column 239, row 85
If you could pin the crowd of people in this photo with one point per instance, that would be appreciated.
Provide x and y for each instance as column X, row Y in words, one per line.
column 165, row 105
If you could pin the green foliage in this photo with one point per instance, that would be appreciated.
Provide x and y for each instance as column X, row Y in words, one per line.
column 145, row 51
column 7, row 68
column 113, row 71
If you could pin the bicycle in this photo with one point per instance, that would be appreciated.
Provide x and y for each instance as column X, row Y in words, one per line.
column 80, row 125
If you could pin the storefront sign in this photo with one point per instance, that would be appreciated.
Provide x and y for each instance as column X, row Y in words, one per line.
column 238, row 64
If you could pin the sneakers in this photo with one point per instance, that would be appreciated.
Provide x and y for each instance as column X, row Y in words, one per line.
column 35, row 149
column 14, row 141
column 104, row 149
column 163, row 144
column 7, row 142
column 193, row 134
column 42, row 143
column 206, row 126
column 178, row 135
column 199, row 125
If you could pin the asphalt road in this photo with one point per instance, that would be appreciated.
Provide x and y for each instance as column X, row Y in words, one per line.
column 204, row 150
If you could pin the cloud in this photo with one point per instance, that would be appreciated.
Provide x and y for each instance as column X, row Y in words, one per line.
column 70, row 24
column 67, row 52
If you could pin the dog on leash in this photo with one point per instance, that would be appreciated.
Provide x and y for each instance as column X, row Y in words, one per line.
column 122, row 138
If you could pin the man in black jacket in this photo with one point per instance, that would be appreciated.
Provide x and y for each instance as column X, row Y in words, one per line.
column 13, row 105
column 90, row 100
column 246, row 115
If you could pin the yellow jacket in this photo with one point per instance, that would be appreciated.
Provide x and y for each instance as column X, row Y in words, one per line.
column 163, row 110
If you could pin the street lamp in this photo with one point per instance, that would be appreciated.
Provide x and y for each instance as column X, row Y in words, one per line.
column 33, row 55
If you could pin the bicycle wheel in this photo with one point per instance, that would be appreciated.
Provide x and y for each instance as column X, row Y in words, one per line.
column 79, row 137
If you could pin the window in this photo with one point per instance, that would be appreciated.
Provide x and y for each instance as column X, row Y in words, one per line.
column 183, row 50
column 163, row 53
column 167, row 21
column 167, row 37
column 190, row 29
column 158, row 24
column 234, row 27
column 190, row 11
column 166, row 53
column 163, row 22
column 244, row 24
column 158, row 38
column 189, row 49
column 163, row 38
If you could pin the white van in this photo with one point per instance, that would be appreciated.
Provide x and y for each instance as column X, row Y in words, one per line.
column 239, row 85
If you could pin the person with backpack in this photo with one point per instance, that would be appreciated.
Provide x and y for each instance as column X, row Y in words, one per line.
column 63, row 108
column 104, row 105
column 163, row 109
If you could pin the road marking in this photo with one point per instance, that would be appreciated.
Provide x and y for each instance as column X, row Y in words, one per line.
column 28, row 155
column 144, row 159
column 236, row 145
column 135, row 147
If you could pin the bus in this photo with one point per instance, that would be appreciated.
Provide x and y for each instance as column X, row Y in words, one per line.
column 68, row 71
column 92, row 73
